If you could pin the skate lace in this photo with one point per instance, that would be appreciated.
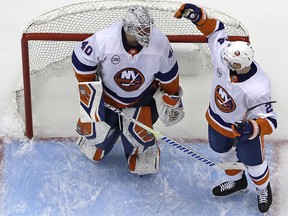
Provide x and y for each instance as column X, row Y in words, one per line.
column 262, row 195
column 227, row 185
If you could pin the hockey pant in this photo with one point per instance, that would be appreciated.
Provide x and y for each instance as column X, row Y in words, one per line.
column 250, row 152
column 140, row 147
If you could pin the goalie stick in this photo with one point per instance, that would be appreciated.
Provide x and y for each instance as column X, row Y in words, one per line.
column 192, row 153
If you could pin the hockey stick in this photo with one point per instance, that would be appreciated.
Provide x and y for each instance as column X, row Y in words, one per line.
column 251, row 108
column 192, row 153
column 240, row 124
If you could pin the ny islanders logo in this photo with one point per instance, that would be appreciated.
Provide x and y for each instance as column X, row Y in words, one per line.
column 223, row 100
column 129, row 79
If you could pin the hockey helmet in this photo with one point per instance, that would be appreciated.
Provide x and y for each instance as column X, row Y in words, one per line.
column 238, row 52
column 138, row 23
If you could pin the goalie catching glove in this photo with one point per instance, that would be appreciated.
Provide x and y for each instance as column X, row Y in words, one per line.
column 245, row 130
column 192, row 12
column 169, row 107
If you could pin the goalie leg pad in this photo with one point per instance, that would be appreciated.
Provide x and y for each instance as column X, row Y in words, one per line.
column 92, row 107
column 141, row 149
column 89, row 149
column 136, row 135
column 93, row 130
column 146, row 162
column 96, row 149
column 87, row 129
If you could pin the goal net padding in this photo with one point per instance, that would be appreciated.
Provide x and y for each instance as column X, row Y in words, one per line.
column 47, row 105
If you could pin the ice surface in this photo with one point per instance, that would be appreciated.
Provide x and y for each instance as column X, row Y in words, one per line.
column 55, row 178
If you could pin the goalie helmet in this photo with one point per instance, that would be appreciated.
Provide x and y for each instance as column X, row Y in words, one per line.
column 239, row 52
column 139, row 23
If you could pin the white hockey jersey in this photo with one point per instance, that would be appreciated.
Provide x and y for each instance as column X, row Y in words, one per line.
column 230, row 99
column 126, row 78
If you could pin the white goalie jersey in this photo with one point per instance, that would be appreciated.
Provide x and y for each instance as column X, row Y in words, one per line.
column 126, row 77
column 232, row 94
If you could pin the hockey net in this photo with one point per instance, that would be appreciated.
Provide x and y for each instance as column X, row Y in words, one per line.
column 47, row 45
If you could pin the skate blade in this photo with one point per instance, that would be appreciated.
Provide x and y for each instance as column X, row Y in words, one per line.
column 233, row 194
column 243, row 191
column 265, row 214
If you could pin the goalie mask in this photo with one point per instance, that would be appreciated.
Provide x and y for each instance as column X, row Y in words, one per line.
column 139, row 23
column 238, row 52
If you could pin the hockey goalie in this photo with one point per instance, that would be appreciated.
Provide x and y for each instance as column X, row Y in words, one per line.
column 130, row 66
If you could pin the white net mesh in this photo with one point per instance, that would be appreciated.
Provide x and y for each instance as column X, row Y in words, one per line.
column 48, row 58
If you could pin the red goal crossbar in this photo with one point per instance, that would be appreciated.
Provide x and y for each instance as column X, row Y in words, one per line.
column 26, row 37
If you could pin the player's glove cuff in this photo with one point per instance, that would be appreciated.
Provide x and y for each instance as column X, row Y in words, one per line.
column 255, row 130
column 173, row 101
column 247, row 130
column 192, row 12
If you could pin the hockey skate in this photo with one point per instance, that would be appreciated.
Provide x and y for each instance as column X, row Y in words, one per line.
column 264, row 197
column 231, row 187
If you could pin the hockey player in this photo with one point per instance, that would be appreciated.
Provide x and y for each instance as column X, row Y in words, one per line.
column 128, row 61
column 238, row 84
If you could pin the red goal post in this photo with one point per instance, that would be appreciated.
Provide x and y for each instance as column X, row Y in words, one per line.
column 48, row 41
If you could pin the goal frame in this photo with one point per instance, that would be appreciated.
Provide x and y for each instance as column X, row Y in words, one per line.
column 47, row 43
column 26, row 37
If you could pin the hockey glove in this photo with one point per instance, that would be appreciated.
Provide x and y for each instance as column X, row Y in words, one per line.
column 169, row 107
column 245, row 130
column 192, row 12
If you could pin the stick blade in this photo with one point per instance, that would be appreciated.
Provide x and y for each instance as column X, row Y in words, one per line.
column 232, row 166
